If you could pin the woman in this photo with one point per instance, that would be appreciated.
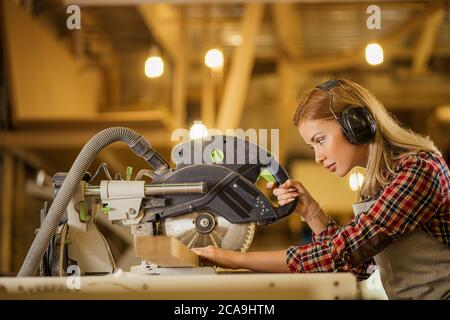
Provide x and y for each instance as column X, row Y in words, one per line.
column 402, row 224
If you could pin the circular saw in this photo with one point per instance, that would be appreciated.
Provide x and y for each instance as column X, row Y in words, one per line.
column 210, row 197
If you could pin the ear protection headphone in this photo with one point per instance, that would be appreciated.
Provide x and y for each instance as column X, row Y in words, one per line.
column 356, row 122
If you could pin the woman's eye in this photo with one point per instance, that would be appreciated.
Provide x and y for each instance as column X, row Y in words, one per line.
column 320, row 141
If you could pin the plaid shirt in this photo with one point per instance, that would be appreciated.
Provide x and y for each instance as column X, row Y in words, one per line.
column 418, row 197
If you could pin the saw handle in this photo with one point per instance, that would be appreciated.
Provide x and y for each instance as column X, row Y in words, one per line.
column 281, row 177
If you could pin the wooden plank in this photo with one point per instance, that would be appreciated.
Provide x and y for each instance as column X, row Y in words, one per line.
column 165, row 251
column 238, row 80
column 6, row 213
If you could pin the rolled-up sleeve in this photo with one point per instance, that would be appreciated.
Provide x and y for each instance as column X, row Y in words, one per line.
column 326, row 234
column 410, row 199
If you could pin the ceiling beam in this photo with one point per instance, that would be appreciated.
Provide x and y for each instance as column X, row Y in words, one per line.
column 238, row 79
column 211, row 78
column 163, row 22
column 104, row 51
column 286, row 21
column 356, row 56
column 313, row 2
column 427, row 41
column 30, row 158
column 71, row 138
column 406, row 93
column 287, row 25
column 100, row 119
column 167, row 24
column 209, row 97
column 180, row 74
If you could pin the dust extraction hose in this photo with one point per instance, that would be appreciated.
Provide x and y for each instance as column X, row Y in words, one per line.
column 102, row 139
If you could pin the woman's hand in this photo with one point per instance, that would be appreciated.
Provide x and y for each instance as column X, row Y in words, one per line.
column 221, row 257
column 289, row 190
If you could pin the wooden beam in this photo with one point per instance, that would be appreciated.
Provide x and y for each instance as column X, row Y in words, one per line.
column 87, row 3
column 208, row 106
column 163, row 21
column 33, row 190
column 427, row 41
column 70, row 138
column 112, row 118
column 290, row 84
column 19, row 245
column 180, row 74
column 209, row 97
column 402, row 93
column 30, row 158
column 6, row 214
column 356, row 56
column 238, row 80
column 168, row 25
column 287, row 26
column 104, row 50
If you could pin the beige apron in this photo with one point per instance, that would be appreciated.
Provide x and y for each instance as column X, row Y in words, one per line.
column 416, row 266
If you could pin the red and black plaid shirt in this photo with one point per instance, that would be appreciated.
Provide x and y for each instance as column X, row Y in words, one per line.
column 418, row 197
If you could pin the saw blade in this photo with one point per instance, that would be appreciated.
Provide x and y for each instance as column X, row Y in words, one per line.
column 201, row 229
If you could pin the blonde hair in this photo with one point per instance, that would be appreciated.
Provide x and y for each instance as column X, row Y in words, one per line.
column 391, row 142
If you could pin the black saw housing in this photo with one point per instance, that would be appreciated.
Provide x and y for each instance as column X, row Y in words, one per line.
column 230, row 166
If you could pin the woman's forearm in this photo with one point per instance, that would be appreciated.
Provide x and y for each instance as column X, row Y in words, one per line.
column 318, row 223
column 263, row 261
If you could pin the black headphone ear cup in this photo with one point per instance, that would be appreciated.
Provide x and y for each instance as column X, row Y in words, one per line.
column 358, row 124
column 344, row 128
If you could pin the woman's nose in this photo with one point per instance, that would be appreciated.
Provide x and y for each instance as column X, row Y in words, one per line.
column 319, row 157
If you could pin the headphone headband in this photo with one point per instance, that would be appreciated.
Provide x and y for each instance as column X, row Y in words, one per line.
column 330, row 84
column 327, row 86
column 356, row 121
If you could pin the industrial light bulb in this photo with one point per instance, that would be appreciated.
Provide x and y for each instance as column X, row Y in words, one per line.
column 154, row 67
column 198, row 130
column 374, row 54
column 214, row 58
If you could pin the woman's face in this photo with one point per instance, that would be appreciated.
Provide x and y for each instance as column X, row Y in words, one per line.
column 330, row 146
